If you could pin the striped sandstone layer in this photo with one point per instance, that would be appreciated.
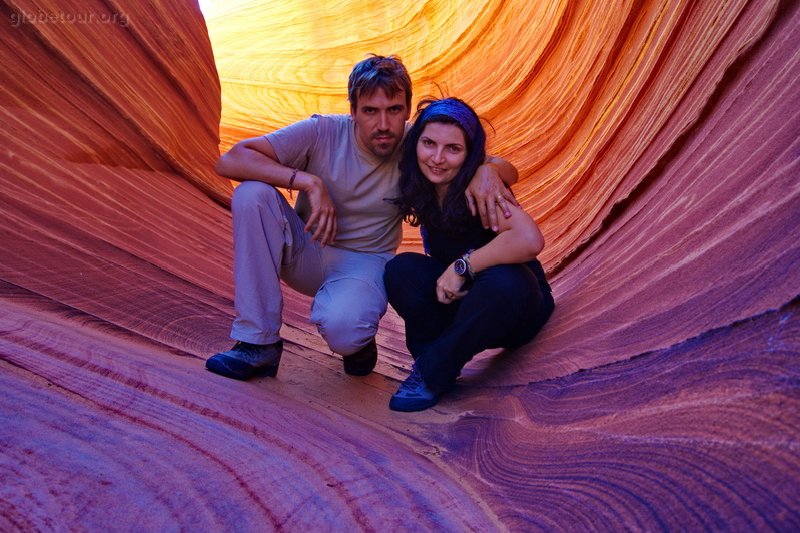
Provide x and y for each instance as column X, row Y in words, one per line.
column 658, row 148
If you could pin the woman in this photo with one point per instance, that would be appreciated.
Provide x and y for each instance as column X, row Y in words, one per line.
column 475, row 289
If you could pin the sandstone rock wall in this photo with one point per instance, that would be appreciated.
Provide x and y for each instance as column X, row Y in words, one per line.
column 658, row 148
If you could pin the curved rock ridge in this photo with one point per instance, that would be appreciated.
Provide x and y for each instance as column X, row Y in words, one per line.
column 658, row 147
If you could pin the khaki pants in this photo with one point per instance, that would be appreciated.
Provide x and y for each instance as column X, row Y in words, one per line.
column 270, row 245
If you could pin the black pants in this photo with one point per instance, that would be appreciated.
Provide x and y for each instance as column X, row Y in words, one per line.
column 504, row 308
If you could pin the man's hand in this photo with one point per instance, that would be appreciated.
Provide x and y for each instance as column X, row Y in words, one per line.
column 448, row 286
column 487, row 194
column 323, row 213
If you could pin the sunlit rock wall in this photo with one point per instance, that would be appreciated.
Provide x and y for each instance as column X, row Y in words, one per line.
column 658, row 148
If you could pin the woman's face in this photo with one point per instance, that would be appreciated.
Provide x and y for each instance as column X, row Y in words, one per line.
column 441, row 151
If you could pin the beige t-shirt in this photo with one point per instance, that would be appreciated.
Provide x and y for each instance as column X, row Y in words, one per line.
column 359, row 183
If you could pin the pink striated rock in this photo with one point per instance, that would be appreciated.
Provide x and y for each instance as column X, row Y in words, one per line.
column 658, row 147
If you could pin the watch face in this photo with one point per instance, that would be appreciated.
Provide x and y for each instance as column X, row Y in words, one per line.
column 460, row 266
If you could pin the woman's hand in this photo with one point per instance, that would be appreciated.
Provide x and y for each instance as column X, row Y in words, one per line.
column 448, row 286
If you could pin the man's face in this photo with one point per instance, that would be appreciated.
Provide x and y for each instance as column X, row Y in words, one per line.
column 380, row 121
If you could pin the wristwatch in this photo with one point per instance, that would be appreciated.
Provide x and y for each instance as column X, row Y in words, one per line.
column 461, row 268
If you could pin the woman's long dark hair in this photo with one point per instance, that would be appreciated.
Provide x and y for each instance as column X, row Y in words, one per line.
column 418, row 201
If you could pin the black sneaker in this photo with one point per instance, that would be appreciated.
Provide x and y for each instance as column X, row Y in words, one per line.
column 413, row 394
column 246, row 360
column 363, row 361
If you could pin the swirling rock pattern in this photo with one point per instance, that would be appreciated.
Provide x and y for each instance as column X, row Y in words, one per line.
column 658, row 148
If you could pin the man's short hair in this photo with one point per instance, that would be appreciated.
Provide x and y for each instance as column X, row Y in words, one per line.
column 378, row 72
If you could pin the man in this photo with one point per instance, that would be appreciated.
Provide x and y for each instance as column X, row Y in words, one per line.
column 334, row 244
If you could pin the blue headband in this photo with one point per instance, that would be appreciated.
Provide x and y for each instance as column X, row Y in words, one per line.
column 455, row 109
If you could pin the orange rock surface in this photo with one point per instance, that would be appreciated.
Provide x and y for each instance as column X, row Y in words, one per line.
column 658, row 146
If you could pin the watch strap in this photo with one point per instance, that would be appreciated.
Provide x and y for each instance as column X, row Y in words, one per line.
column 465, row 257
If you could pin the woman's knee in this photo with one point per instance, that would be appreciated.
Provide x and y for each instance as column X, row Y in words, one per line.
column 506, row 284
column 400, row 269
column 402, row 263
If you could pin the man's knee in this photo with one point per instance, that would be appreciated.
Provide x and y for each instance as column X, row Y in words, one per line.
column 253, row 194
column 345, row 337
column 347, row 315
